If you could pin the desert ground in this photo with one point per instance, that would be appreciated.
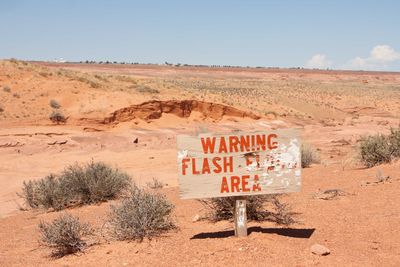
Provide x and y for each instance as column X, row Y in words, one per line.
column 109, row 106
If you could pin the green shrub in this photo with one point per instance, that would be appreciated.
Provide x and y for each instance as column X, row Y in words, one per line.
column 223, row 208
column 378, row 149
column 65, row 235
column 308, row 156
column 91, row 183
column 141, row 215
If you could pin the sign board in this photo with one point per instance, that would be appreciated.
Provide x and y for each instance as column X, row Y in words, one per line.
column 239, row 164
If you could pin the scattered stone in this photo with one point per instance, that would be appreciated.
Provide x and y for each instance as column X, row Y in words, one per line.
column 196, row 218
column 329, row 194
column 364, row 183
column 320, row 250
column 136, row 140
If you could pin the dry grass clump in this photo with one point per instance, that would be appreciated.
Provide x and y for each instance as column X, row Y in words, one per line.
column 141, row 215
column 77, row 184
column 308, row 156
column 256, row 206
column 146, row 89
column 155, row 184
column 54, row 104
column 65, row 235
column 378, row 149
column 58, row 117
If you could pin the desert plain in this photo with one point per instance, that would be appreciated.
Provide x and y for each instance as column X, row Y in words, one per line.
column 129, row 116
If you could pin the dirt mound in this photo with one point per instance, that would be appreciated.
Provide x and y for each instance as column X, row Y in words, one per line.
column 154, row 109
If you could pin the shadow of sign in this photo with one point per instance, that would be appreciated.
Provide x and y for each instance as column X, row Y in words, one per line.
column 289, row 232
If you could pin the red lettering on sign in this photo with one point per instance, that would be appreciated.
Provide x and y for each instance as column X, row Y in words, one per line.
column 218, row 168
column 194, row 171
column 222, row 146
column 224, row 185
column 245, row 143
column 245, row 183
column 184, row 165
column 228, row 162
column 233, row 143
column 235, row 181
column 271, row 144
column 208, row 144
column 256, row 185
column 206, row 166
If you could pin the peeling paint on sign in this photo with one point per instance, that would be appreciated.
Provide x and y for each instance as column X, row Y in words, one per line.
column 239, row 164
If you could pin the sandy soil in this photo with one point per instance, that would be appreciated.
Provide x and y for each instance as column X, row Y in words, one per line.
column 332, row 109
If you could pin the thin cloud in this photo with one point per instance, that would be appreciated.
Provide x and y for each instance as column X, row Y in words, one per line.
column 379, row 58
column 318, row 61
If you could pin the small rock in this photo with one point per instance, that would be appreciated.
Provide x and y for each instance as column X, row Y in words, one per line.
column 320, row 250
column 364, row 183
column 196, row 218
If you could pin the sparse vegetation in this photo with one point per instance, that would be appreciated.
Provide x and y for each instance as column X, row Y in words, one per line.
column 378, row 149
column 146, row 89
column 65, row 235
column 141, row 215
column 49, row 192
column 55, row 104
column 7, row 89
column 95, row 181
column 58, row 117
column 91, row 183
column 155, row 184
column 1, row 109
column 308, row 156
column 257, row 209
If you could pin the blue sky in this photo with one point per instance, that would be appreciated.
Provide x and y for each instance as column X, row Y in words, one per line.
column 324, row 34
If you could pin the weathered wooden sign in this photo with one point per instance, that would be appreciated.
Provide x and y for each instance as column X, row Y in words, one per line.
column 239, row 164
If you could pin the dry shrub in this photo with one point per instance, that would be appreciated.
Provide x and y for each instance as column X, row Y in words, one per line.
column 95, row 181
column 54, row 104
column 308, row 156
column 65, row 235
column 146, row 89
column 57, row 117
column 91, row 183
column 256, row 206
column 155, row 184
column 378, row 149
column 49, row 192
column 141, row 215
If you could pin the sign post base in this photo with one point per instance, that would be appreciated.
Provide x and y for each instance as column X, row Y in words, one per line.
column 240, row 217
